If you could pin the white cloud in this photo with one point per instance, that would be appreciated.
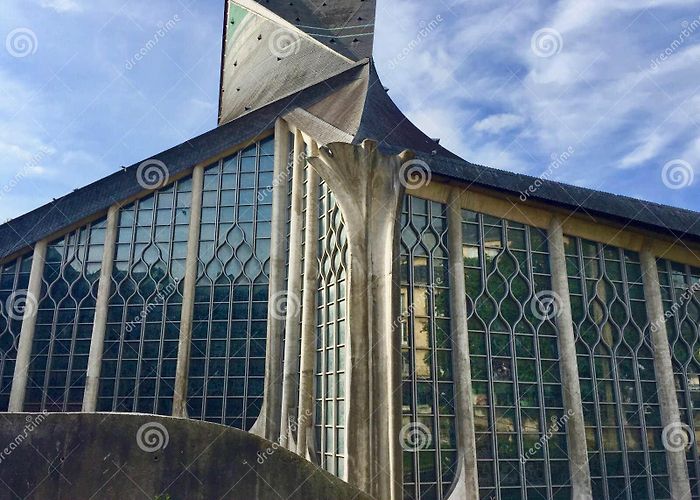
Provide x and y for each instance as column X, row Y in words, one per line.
column 498, row 123
column 62, row 5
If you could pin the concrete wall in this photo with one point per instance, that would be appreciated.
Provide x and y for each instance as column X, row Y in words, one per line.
column 72, row 456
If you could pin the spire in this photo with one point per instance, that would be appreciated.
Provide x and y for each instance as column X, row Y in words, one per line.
column 274, row 48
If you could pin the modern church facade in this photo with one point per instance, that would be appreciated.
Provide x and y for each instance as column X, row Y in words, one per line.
column 319, row 272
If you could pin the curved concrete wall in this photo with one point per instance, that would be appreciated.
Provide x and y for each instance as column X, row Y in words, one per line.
column 72, row 456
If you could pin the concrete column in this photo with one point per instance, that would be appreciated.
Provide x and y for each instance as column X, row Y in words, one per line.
column 674, row 430
column 26, row 336
column 272, row 398
column 466, row 486
column 99, row 326
column 188, row 293
column 575, row 426
column 368, row 190
column 290, row 383
column 308, row 316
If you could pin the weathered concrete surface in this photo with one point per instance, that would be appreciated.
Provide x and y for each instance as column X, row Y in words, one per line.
column 72, row 456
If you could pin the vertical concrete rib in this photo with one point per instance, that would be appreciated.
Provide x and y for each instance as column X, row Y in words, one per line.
column 575, row 427
column 674, row 431
column 26, row 336
column 272, row 397
column 188, row 294
column 99, row 325
column 290, row 382
column 308, row 316
column 467, row 485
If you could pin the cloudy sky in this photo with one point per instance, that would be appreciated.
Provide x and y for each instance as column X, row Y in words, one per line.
column 610, row 84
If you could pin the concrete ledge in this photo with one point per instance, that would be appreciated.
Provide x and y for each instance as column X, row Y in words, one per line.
column 81, row 456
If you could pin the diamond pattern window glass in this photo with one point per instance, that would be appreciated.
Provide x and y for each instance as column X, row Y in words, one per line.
column 143, row 317
column 616, row 370
column 14, row 279
column 331, row 336
column 65, row 312
column 227, row 364
column 680, row 292
column 428, row 434
column 519, row 413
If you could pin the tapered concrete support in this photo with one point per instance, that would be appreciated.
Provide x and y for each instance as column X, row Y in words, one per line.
column 99, row 326
column 674, row 431
column 575, row 426
column 188, row 294
column 272, row 398
column 466, row 486
column 26, row 336
column 308, row 316
column 290, row 383
column 367, row 187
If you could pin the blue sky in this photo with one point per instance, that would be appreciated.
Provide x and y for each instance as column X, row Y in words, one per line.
column 509, row 84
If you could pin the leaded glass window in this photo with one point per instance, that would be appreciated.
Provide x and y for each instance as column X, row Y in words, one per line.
column 331, row 336
column 227, row 365
column 519, row 414
column 14, row 279
column 61, row 347
column 680, row 292
column 143, row 318
column 428, row 435
column 616, row 369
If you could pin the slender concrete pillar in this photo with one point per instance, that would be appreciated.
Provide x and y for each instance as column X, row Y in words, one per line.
column 26, row 336
column 674, row 430
column 466, row 487
column 290, row 383
column 575, row 426
column 272, row 398
column 367, row 187
column 188, row 294
column 308, row 315
column 99, row 326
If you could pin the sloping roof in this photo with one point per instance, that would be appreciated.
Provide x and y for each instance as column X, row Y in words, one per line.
column 343, row 101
